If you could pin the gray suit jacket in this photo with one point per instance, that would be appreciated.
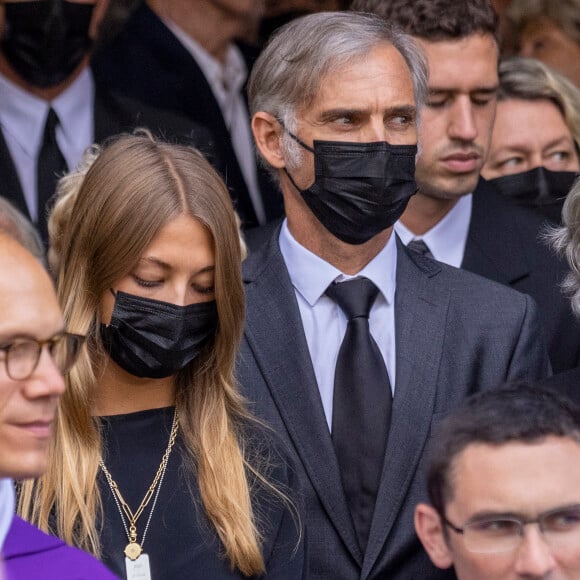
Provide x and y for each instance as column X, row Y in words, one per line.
column 456, row 333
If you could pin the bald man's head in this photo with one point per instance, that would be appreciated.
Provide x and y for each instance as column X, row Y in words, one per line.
column 30, row 313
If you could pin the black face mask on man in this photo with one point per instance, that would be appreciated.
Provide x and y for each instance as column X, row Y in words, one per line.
column 45, row 41
column 359, row 189
column 154, row 339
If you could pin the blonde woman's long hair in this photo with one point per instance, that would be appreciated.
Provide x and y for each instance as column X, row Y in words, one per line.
column 106, row 215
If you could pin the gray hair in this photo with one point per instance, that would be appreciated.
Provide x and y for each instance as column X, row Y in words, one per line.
column 530, row 80
column 14, row 224
column 288, row 73
column 566, row 240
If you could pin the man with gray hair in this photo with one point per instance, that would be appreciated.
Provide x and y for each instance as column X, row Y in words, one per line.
column 340, row 316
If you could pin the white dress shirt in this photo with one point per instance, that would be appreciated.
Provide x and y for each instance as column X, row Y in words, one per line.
column 22, row 119
column 448, row 238
column 7, row 506
column 323, row 320
column 227, row 81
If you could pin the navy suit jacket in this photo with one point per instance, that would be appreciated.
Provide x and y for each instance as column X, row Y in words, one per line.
column 504, row 244
column 148, row 63
column 456, row 333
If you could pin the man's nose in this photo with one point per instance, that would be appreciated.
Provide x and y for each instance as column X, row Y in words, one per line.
column 534, row 557
column 47, row 379
column 462, row 124
column 375, row 131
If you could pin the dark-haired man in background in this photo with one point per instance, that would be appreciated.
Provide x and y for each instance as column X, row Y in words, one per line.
column 456, row 217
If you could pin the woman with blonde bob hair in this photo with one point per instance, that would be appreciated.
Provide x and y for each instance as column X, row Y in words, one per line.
column 147, row 256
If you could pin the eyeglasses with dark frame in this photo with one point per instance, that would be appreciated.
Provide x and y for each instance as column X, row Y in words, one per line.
column 491, row 535
column 22, row 354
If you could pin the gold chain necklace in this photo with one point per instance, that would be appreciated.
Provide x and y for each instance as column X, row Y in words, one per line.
column 133, row 549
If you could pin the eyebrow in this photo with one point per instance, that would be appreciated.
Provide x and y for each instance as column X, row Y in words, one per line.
column 524, row 148
column 165, row 266
column 490, row 90
column 332, row 114
column 26, row 336
column 491, row 515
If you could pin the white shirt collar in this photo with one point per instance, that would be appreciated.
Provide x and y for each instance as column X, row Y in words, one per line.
column 23, row 115
column 7, row 506
column 447, row 239
column 311, row 275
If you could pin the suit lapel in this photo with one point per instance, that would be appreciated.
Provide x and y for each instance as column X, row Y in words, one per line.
column 11, row 188
column 494, row 248
column 275, row 335
column 420, row 322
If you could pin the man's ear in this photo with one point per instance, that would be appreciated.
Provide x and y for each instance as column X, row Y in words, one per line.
column 267, row 134
column 429, row 528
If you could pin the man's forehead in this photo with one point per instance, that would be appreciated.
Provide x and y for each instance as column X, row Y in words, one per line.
column 383, row 73
column 465, row 65
column 27, row 296
column 517, row 474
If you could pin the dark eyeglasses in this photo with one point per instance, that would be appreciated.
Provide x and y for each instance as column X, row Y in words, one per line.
column 22, row 354
column 559, row 527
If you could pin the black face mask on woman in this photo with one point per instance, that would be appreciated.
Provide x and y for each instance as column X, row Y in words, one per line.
column 45, row 41
column 537, row 187
column 360, row 189
column 154, row 339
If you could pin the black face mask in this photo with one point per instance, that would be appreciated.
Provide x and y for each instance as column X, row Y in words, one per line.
column 44, row 42
column 537, row 187
column 154, row 339
column 360, row 189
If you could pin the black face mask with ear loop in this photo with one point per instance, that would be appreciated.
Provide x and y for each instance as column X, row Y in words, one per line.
column 360, row 189
column 45, row 41
column 539, row 187
column 154, row 339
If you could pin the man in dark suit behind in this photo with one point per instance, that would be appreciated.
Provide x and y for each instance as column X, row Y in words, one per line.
column 51, row 109
column 183, row 56
column 335, row 100
column 462, row 222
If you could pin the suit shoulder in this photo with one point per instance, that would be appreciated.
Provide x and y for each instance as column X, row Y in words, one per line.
column 474, row 288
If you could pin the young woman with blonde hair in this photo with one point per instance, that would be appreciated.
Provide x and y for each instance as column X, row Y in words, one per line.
column 146, row 252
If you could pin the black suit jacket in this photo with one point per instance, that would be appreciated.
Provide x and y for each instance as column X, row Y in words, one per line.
column 567, row 383
column 148, row 63
column 504, row 244
column 114, row 114
column 456, row 333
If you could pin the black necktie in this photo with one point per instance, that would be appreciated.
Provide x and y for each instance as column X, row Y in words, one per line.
column 51, row 166
column 362, row 404
column 420, row 247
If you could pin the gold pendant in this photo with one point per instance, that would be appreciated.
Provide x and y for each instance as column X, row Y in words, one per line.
column 133, row 550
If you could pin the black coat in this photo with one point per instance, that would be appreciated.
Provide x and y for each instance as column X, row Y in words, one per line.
column 148, row 63
column 504, row 243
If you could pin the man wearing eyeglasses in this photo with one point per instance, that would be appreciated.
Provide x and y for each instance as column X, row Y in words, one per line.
column 35, row 351
column 504, row 487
